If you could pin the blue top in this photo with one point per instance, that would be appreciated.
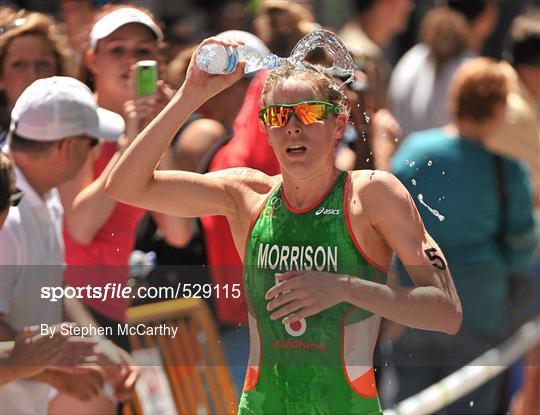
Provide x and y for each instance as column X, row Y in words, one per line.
column 457, row 177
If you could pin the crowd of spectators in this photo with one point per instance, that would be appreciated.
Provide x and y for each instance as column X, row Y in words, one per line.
column 461, row 131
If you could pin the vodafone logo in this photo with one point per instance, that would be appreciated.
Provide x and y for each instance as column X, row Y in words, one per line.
column 324, row 211
column 297, row 328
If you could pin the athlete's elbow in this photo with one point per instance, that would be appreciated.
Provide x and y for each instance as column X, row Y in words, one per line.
column 115, row 189
column 454, row 319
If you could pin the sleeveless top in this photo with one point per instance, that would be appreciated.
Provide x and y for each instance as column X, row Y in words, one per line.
column 321, row 364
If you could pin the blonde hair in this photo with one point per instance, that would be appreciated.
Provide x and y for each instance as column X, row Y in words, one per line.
column 326, row 86
column 22, row 23
column 478, row 86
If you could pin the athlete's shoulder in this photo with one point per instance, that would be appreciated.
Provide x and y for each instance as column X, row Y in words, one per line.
column 374, row 182
column 378, row 191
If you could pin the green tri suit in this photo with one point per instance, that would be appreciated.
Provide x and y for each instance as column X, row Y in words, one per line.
column 323, row 364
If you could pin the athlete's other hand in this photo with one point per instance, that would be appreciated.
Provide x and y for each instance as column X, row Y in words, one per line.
column 301, row 294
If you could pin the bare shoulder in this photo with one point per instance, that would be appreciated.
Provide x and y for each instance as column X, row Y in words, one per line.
column 376, row 186
column 381, row 195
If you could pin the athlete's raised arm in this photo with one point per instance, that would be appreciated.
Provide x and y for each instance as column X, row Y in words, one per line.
column 135, row 180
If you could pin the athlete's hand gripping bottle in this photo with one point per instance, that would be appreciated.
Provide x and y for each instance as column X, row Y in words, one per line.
column 215, row 58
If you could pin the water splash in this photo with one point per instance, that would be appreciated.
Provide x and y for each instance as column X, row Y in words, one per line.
column 412, row 164
column 435, row 212
column 343, row 65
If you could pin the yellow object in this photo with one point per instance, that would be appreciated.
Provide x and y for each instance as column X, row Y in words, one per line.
column 193, row 360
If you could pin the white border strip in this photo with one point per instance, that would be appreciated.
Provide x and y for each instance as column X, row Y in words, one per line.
column 471, row 376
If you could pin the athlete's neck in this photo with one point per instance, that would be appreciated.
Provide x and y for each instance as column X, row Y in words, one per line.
column 305, row 192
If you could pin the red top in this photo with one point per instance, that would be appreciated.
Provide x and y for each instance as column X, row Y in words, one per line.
column 106, row 257
column 248, row 148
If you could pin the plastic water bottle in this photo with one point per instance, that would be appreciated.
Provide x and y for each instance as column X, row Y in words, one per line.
column 214, row 58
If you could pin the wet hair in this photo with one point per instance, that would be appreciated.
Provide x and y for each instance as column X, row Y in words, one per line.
column 7, row 181
column 445, row 32
column 22, row 23
column 84, row 74
column 478, row 87
column 326, row 86
column 523, row 43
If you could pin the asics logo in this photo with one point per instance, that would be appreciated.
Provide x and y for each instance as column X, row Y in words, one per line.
column 324, row 211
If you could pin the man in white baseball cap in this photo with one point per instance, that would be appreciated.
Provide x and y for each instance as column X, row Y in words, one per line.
column 55, row 123
column 52, row 109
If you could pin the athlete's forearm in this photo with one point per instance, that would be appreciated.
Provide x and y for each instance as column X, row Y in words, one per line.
column 425, row 307
column 135, row 170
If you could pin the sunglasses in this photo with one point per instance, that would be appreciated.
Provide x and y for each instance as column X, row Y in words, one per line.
column 15, row 198
column 307, row 112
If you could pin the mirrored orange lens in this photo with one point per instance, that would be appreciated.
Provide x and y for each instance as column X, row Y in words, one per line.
column 310, row 113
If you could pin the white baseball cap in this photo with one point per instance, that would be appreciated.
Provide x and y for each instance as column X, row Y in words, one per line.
column 121, row 17
column 51, row 109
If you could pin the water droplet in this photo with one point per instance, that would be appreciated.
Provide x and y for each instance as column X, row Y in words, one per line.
column 429, row 163
column 367, row 159
column 471, row 404
column 413, row 182
column 443, row 173
column 412, row 164
column 396, row 139
column 435, row 212
column 366, row 116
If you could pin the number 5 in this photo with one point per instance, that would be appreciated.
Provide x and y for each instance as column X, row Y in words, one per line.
column 436, row 260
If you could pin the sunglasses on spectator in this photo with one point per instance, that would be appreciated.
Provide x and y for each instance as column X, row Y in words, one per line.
column 15, row 198
column 307, row 112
